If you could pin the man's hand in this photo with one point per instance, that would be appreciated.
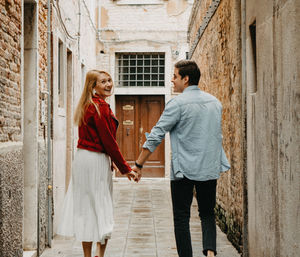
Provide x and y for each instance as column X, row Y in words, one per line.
column 133, row 175
column 138, row 171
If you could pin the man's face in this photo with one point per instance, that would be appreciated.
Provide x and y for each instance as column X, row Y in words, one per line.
column 179, row 83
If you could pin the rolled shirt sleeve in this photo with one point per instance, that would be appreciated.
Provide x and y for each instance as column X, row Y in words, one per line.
column 167, row 121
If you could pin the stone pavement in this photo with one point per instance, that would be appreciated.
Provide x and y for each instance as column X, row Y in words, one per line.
column 143, row 225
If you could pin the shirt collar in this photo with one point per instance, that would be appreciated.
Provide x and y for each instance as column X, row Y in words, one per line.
column 190, row 88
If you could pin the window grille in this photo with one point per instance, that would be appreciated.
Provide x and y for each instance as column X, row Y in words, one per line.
column 141, row 69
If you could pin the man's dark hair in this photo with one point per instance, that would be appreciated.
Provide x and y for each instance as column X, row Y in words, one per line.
column 189, row 68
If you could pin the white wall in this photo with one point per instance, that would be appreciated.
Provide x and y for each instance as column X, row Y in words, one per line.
column 80, row 39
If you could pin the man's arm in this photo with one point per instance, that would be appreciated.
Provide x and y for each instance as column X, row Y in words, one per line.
column 167, row 121
column 143, row 157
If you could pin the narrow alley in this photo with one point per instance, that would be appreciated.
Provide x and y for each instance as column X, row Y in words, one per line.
column 143, row 225
column 248, row 55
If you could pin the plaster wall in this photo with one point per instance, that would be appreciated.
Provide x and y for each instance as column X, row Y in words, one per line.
column 273, row 128
column 78, row 49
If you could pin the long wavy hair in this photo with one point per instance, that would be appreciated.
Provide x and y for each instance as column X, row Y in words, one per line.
column 87, row 95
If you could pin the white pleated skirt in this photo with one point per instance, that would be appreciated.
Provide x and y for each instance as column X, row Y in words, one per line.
column 87, row 212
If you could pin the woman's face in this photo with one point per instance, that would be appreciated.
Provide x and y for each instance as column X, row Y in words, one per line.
column 104, row 86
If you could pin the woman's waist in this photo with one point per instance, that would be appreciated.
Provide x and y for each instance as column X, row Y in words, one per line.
column 90, row 145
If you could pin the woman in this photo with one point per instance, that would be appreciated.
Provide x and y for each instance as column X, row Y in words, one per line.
column 88, row 208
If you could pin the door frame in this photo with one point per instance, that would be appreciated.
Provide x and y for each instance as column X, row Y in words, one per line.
column 167, row 97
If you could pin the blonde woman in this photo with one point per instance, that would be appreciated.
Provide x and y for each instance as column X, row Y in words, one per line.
column 88, row 207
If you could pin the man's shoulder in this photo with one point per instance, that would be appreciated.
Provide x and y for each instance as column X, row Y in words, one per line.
column 209, row 96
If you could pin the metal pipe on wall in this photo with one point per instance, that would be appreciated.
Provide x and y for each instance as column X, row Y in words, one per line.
column 49, row 155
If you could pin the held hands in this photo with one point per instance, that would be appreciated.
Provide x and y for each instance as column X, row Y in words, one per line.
column 136, row 176
column 138, row 171
column 133, row 175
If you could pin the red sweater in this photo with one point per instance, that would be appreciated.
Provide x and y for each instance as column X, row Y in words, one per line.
column 98, row 134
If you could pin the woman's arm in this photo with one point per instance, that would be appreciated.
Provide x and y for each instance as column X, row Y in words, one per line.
column 108, row 141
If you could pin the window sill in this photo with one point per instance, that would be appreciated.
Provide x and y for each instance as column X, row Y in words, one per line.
column 139, row 2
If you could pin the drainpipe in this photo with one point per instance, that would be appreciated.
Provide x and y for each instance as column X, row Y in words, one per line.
column 79, row 28
column 244, row 132
column 49, row 167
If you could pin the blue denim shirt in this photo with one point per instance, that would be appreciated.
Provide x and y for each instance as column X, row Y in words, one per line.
column 194, row 120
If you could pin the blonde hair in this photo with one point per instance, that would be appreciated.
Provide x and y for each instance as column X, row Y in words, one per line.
column 87, row 96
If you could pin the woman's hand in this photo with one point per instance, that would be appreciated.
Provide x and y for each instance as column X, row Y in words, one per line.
column 115, row 167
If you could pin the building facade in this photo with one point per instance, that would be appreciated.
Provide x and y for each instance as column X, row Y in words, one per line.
column 139, row 42
column 249, row 60
column 73, row 49
column 44, row 56
column 271, row 79
column 11, row 134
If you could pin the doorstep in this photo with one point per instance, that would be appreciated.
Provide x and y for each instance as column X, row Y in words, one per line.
column 29, row 253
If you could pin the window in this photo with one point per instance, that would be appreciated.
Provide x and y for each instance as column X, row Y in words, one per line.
column 252, row 29
column 83, row 71
column 141, row 69
column 60, row 74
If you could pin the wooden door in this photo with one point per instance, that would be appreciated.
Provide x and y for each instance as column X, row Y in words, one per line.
column 137, row 115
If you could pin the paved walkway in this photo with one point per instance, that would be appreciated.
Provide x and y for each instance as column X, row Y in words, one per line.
column 143, row 225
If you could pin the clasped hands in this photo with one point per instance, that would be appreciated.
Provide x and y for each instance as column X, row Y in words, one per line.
column 135, row 174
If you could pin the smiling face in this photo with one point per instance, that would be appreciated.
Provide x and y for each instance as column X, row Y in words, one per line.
column 179, row 83
column 104, row 86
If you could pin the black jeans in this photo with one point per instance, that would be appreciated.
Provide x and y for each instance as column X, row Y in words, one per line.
column 182, row 196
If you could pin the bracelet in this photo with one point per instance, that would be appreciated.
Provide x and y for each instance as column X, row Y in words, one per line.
column 138, row 165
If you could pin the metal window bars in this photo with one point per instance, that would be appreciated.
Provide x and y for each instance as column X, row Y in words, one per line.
column 140, row 69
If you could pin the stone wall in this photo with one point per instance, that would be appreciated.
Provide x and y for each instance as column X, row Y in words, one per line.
column 42, row 141
column 11, row 200
column 11, row 157
column 218, row 54
column 43, row 196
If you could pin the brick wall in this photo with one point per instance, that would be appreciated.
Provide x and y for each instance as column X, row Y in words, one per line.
column 42, row 27
column 218, row 55
column 42, row 150
column 10, row 63
column 11, row 160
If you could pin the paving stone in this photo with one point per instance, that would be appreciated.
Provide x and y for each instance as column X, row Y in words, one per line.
column 143, row 225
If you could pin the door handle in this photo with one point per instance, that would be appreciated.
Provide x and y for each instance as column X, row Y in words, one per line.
column 127, row 131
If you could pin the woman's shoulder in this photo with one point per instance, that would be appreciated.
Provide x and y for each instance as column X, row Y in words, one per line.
column 102, row 106
column 99, row 101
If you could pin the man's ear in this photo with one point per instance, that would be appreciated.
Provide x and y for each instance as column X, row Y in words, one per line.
column 186, row 79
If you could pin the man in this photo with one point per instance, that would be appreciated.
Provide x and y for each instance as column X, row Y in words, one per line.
column 193, row 119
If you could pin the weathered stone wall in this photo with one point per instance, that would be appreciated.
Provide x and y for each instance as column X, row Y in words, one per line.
column 11, row 158
column 43, row 196
column 11, row 199
column 42, row 150
column 12, row 171
column 10, row 68
column 273, row 127
column 42, row 42
column 218, row 54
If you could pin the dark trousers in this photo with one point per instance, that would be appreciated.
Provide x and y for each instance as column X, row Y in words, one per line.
column 182, row 196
